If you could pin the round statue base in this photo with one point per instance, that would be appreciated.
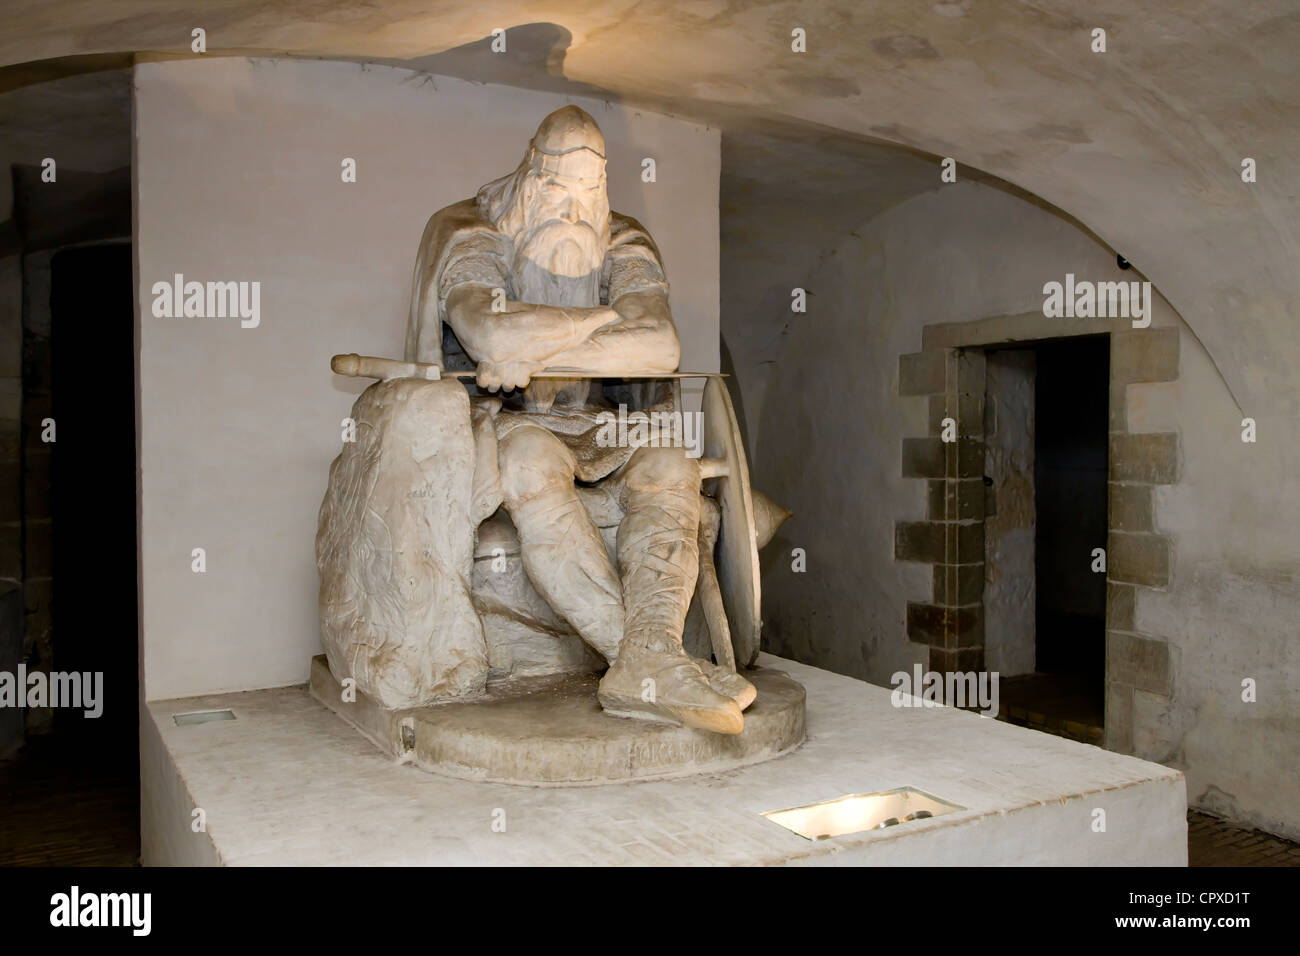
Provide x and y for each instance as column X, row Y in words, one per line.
column 552, row 732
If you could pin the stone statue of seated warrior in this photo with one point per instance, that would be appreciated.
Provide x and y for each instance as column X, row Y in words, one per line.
column 534, row 273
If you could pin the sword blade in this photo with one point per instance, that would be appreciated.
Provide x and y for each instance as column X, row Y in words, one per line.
column 371, row 366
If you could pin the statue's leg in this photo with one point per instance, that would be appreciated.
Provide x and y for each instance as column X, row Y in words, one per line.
column 658, row 544
column 562, row 550
column 658, row 556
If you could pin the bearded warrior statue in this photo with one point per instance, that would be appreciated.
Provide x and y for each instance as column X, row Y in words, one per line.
column 534, row 273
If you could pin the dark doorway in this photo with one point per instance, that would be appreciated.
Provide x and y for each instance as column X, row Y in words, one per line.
column 92, row 352
column 1072, row 396
column 1051, row 402
column 73, row 795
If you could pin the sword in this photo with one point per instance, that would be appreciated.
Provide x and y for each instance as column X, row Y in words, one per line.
column 370, row 366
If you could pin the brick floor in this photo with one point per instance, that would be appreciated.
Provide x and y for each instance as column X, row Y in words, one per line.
column 1215, row 842
column 69, row 803
column 1060, row 704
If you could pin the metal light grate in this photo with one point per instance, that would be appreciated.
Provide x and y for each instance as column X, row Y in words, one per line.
column 203, row 716
column 865, row 811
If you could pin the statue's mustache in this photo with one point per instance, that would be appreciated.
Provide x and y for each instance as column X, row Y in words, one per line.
column 558, row 224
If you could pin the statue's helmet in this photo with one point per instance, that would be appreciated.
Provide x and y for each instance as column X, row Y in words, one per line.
column 569, row 146
column 569, row 143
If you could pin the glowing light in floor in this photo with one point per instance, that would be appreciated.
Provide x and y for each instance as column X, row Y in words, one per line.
column 867, row 811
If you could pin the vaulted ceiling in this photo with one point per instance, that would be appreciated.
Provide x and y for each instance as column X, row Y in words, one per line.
column 1142, row 144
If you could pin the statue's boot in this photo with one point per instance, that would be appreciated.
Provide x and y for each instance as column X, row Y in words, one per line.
column 665, row 684
column 653, row 677
column 728, row 683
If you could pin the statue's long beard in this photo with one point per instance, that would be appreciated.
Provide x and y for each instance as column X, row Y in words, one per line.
column 558, row 263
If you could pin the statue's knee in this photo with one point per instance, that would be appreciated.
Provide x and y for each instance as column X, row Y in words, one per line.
column 653, row 468
column 532, row 461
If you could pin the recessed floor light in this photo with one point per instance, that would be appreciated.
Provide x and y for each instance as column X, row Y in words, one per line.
column 203, row 716
column 865, row 811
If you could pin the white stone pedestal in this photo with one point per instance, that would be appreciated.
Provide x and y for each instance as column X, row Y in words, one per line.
column 287, row 782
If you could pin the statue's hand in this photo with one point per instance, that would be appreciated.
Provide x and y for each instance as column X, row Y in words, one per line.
column 506, row 375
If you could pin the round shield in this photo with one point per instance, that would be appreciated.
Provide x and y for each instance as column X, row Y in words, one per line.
column 737, row 552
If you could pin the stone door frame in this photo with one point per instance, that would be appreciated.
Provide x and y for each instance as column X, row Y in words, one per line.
column 949, row 373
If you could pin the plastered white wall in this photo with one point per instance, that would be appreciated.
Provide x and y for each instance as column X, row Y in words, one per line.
column 827, row 421
column 237, row 178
